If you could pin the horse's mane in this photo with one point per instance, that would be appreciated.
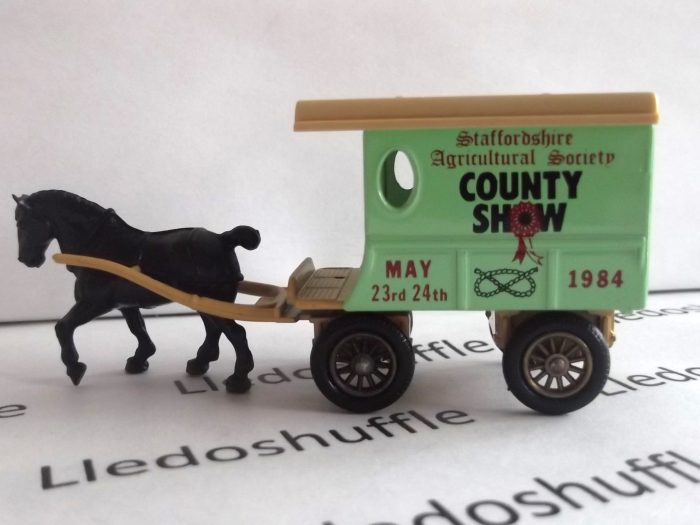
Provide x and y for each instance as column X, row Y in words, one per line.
column 60, row 200
column 68, row 208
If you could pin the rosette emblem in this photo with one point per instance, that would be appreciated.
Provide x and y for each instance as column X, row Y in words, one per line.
column 525, row 221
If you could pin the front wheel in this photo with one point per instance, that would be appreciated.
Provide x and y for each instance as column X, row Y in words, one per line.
column 556, row 363
column 362, row 363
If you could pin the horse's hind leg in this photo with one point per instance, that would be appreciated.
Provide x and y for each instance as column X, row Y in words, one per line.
column 139, row 361
column 81, row 313
column 209, row 351
column 238, row 382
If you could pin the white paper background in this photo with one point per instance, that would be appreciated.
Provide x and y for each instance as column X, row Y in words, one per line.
column 112, row 416
column 180, row 113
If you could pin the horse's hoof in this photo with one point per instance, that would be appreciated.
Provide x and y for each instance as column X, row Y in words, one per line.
column 196, row 367
column 135, row 366
column 237, row 386
column 76, row 372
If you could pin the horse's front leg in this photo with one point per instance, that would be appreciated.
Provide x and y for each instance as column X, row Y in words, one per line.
column 209, row 351
column 81, row 313
column 238, row 382
column 139, row 361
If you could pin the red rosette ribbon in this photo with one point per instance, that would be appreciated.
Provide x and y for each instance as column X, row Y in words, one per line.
column 525, row 221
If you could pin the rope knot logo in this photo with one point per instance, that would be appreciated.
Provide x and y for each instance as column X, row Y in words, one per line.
column 492, row 282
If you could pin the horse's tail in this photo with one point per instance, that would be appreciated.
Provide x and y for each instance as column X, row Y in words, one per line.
column 244, row 236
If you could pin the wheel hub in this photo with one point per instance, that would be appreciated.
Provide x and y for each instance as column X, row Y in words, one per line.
column 557, row 365
column 363, row 365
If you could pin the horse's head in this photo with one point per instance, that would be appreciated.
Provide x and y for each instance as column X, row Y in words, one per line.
column 34, row 233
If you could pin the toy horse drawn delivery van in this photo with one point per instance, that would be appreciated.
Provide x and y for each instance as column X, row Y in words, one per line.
column 534, row 209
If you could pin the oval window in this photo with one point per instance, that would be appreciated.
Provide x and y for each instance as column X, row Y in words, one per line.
column 398, row 179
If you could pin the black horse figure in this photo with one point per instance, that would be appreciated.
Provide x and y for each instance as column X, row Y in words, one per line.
column 191, row 259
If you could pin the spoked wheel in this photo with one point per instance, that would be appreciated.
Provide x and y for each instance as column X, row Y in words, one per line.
column 556, row 363
column 362, row 363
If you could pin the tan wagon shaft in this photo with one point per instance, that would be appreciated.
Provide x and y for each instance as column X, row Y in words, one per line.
column 270, row 306
column 310, row 293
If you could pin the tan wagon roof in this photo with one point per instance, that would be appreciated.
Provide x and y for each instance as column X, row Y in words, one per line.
column 445, row 112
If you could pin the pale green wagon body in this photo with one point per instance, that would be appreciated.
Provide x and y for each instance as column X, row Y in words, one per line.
column 458, row 239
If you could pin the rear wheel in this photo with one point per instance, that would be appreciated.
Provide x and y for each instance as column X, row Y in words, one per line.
column 556, row 363
column 362, row 363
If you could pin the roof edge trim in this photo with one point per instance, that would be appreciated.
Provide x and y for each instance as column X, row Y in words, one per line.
column 479, row 111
